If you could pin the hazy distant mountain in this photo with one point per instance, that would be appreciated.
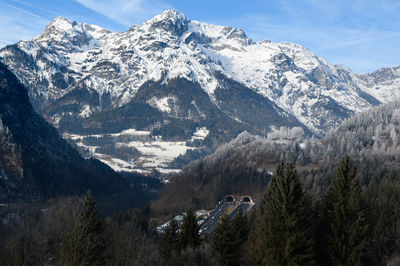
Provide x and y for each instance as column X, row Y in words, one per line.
column 35, row 162
column 138, row 99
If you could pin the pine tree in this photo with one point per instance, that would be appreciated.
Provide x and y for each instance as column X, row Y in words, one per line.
column 169, row 243
column 226, row 243
column 87, row 244
column 344, row 219
column 241, row 227
column 283, row 231
column 190, row 236
column 384, row 218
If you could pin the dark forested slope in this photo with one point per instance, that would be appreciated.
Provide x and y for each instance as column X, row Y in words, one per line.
column 35, row 162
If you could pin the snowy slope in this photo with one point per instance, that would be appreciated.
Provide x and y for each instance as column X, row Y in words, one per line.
column 383, row 84
column 78, row 70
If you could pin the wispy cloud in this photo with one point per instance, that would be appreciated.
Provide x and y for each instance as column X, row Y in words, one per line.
column 126, row 12
column 33, row 6
column 18, row 23
column 23, row 10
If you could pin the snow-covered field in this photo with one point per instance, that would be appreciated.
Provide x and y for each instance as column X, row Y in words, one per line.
column 154, row 153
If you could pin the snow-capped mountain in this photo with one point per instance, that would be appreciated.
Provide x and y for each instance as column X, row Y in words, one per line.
column 178, row 85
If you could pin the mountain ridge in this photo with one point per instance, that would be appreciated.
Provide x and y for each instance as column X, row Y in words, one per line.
column 75, row 71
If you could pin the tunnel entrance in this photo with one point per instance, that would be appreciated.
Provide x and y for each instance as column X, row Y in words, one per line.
column 246, row 199
column 229, row 198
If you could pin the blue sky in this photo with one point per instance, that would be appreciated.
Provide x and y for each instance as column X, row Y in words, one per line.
column 361, row 34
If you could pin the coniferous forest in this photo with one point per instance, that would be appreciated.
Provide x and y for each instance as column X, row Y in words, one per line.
column 350, row 224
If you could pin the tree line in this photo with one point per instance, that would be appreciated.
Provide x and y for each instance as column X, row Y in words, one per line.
column 349, row 224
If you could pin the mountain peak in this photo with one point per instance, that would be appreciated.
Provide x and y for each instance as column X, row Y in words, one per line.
column 60, row 23
column 170, row 20
column 72, row 34
column 57, row 28
column 172, row 14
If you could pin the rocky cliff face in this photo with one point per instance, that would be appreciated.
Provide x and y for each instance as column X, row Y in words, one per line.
column 137, row 99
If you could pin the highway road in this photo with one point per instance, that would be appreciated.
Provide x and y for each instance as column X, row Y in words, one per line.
column 242, row 206
column 209, row 225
